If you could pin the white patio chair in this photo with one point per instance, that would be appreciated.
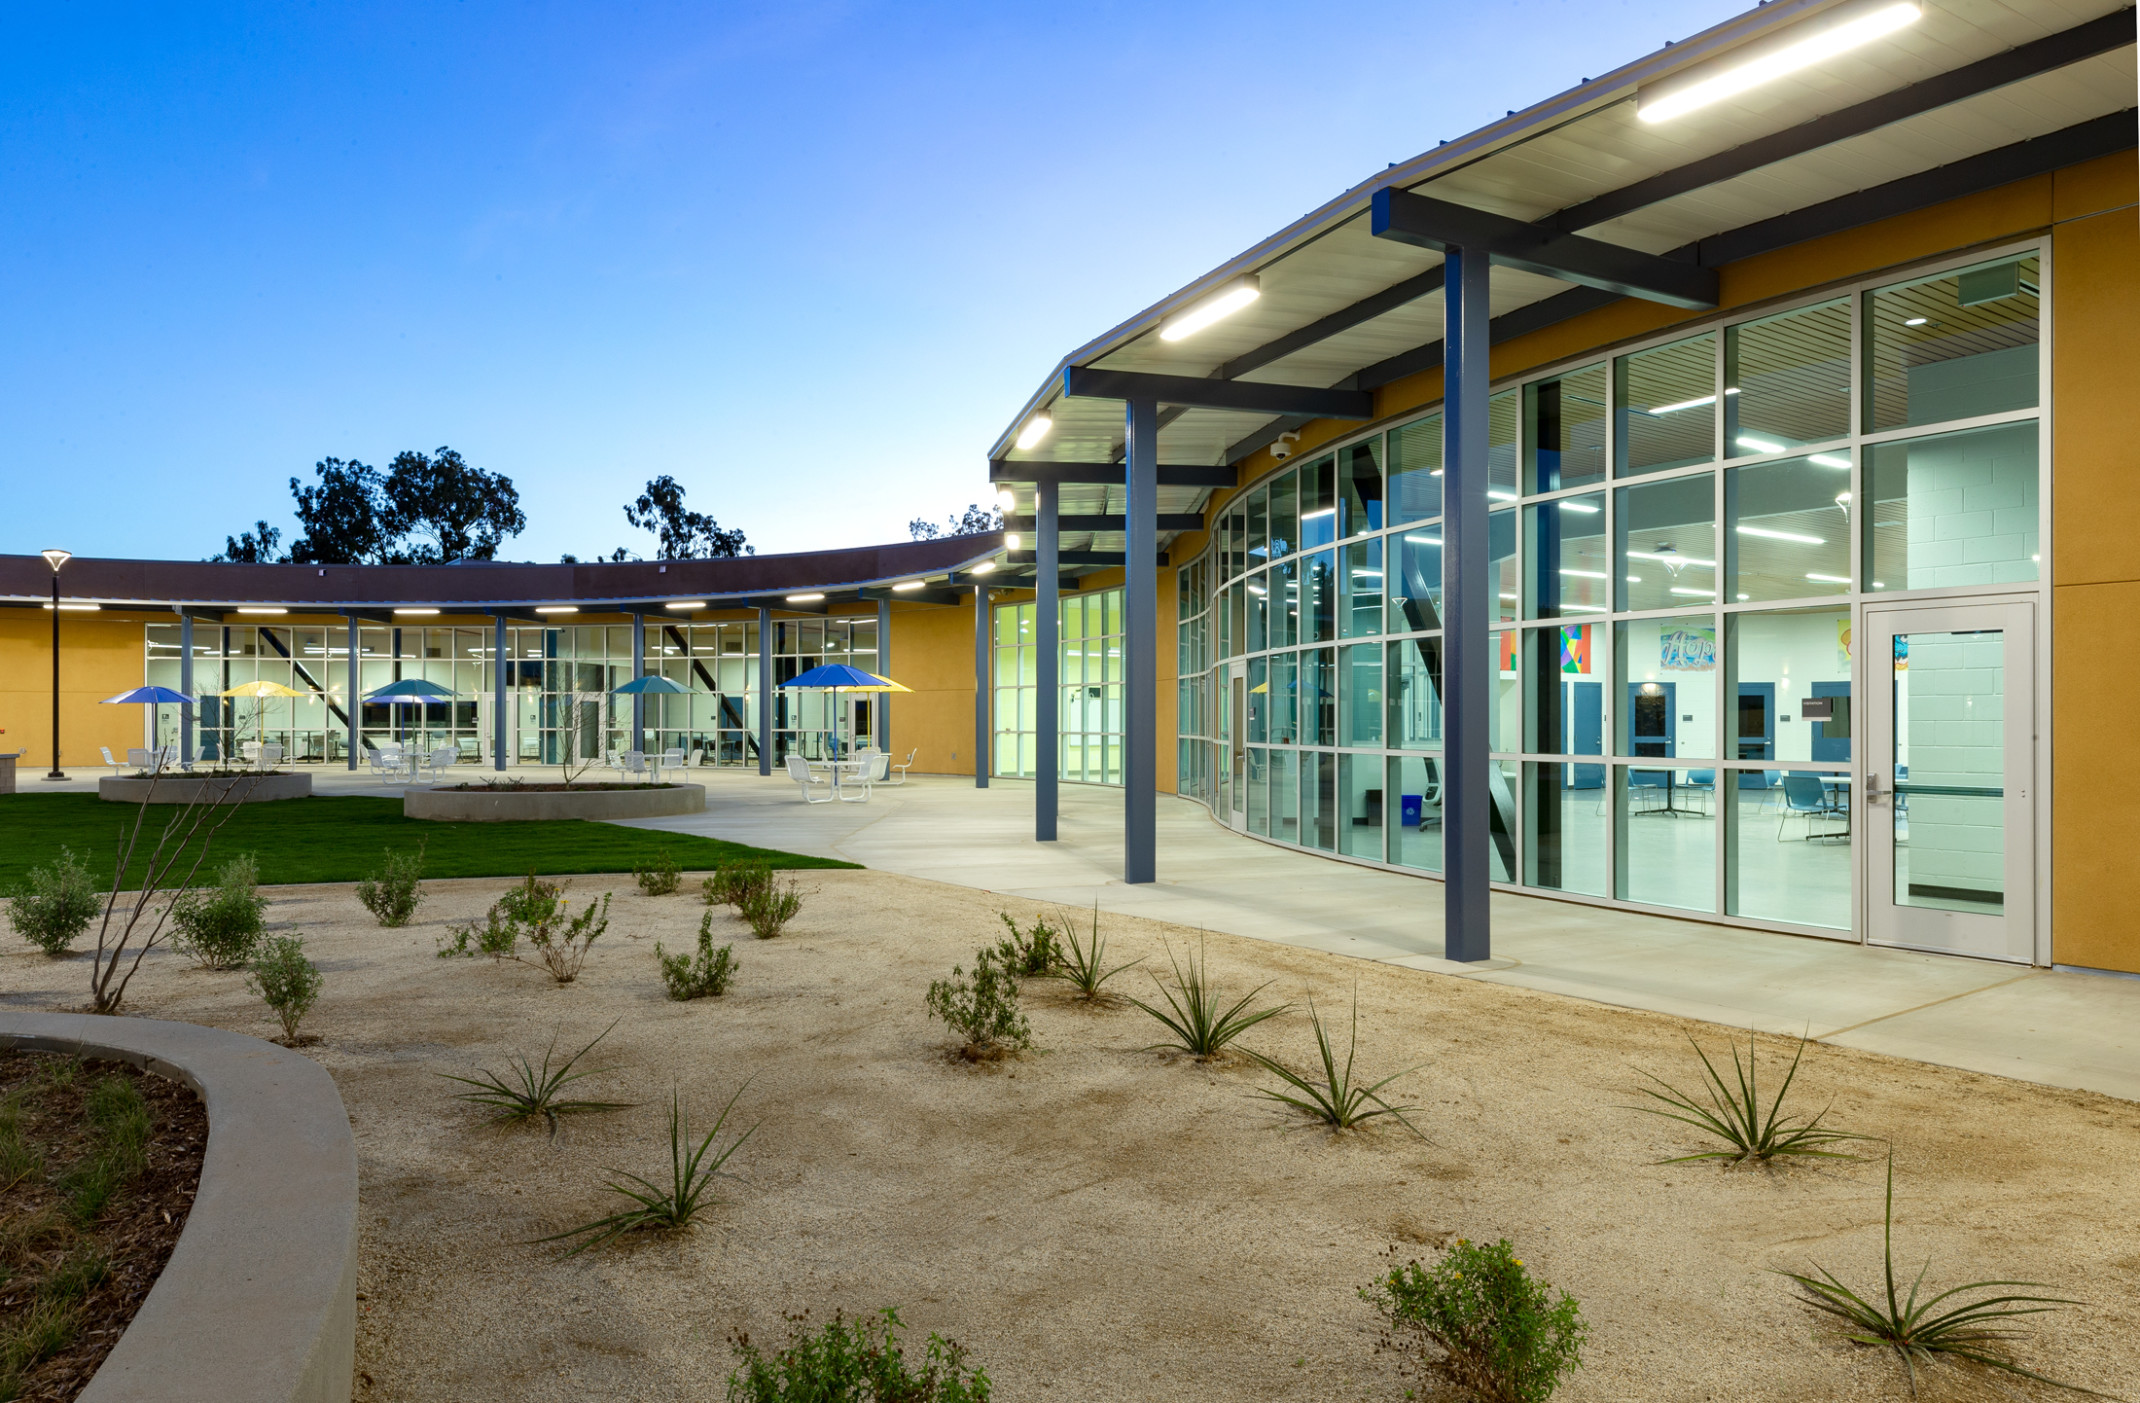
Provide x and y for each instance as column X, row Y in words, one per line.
column 266, row 757
column 164, row 757
column 441, row 759
column 671, row 759
column 633, row 762
column 384, row 759
column 902, row 767
column 106, row 751
column 855, row 776
column 136, row 755
column 816, row 788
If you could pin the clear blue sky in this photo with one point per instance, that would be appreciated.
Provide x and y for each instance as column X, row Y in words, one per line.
column 808, row 257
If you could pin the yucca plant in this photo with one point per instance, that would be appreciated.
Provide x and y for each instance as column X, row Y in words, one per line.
column 669, row 1207
column 535, row 1091
column 1199, row 1025
column 1084, row 966
column 1734, row 1114
column 1920, row 1331
column 1335, row 1099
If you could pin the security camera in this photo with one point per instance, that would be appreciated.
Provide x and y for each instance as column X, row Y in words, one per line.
column 1283, row 448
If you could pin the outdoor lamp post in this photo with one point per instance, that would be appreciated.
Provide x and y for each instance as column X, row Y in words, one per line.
column 55, row 559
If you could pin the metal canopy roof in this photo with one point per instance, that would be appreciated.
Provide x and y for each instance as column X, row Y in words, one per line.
column 1342, row 308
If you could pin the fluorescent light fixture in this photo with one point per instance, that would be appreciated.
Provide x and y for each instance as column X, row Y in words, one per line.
column 685, row 605
column 1634, row 579
column 1506, row 595
column 1767, row 534
column 1916, row 321
column 1258, row 590
column 1879, row 584
column 1684, row 404
column 1036, row 429
column 986, row 567
column 1326, row 511
column 1758, row 445
column 1217, row 307
column 804, row 598
column 1007, row 500
column 1367, row 574
column 1587, row 574
column 1829, row 579
column 904, row 585
column 1830, row 460
column 1013, row 541
column 1498, row 495
column 1424, row 540
column 1745, row 596
column 1670, row 559
column 1845, row 28
column 77, row 608
column 557, row 608
column 1579, row 508
column 263, row 611
column 1696, row 593
column 416, row 611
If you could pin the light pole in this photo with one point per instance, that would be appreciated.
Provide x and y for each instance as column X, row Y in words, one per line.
column 55, row 559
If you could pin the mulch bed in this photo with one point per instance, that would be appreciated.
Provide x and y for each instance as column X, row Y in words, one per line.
column 135, row 1234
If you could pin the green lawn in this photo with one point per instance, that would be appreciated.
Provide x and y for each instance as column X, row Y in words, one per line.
column 325, row 839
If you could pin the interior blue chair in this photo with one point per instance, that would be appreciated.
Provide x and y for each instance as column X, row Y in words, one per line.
column 1804, row 797
column 1701, row 783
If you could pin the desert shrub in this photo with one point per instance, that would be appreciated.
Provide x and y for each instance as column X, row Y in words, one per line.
column 1479, row 1320
column 54, row 904
column 1332, row 1096
column 1751, row 1132
column 539, row 913
column 534, row 1091
column 220, row 927
column 287, row 982
column 1031, row 953
column 710, row 972
column 393, row 893
column 844, row 1362
column 733, row 885
column 1199, row 1025
column 670, row 1206
column 1923, row 1331
column 771, row 906
column 982, row 1010
column 1084, row 966
column 660, row 877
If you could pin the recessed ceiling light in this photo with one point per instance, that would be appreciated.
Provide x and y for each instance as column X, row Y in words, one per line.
column 416, row 611
column 1841, row 30
column 1036, row 429
column 1782, row 535
column 1013, row 541
column 686, row 604
column 557, row 609
column 263, row 611
column 904, row 585
column 986, row 567
column 805, row 598
column 1217, row 307
column 78, row 608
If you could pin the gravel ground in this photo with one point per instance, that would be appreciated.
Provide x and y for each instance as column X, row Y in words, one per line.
column 1101, row 1221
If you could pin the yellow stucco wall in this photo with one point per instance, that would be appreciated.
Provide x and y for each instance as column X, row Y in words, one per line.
column 101, row 654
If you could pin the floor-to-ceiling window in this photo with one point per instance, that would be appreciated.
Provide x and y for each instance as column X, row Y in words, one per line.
column 1090, row 718
column 1683, row 536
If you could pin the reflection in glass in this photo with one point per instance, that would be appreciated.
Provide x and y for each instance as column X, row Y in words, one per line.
column 1787, row 380
column 1503, row 411
column 1259, row 791
column 1416, row 817
column 1415, row 588
column 1778, row 662
column 1565, row 714
column 1415, row 694
column 1360, row 695
column 1318, row 598
column 1415, row 487
column 1564, row 830
column 1565, row 430
column 1953, row 509
column 1501, row 563
column 1570, row 567
column 1953, row 346
column 1667, row 405
column 1502, row 820
column 1259, row 701
column 1259, row 516
column 1504, row 724
column 1668, row 543
column 1285, row 796
column 1317, row 689
column 1950, row 770
column 1318, row 503
column 1284, row 609
column 1360, row 488
column 1284, row 516
column 1360, row 821
column 1259, row 611
column 1318, row 799
column 1790, row 528
column 1666, row 824
column 1360, row 589
column 1666, row 688
column 1283, row 697
column 1784, row 867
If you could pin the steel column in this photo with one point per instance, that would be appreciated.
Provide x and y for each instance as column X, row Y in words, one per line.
column 185, row 684
column 765, row 691
column 638, row 671
column 884, row 669
column 1047, row 759
column 1140, row 643
column 500, row 666
column 980, row 686
column 1468, row 601
column 356, row 701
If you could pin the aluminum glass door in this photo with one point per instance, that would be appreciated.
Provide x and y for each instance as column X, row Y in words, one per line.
column 1236, row 723
column 1949, row 753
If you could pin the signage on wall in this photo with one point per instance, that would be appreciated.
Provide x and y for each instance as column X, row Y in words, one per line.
column 1575, row 649
column 1687, row 649
column 1842, row 645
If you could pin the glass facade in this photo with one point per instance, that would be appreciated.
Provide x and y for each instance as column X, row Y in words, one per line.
column 1090, row 719
column 1682, row 538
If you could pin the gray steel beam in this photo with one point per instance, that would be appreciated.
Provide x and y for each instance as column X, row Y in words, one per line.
column 1047, row 696
column 1176, row 475
column 1468, row 590
column 934, row 595
column 1344, row 319
column 1168, row 521
column 1078, row 557
column 765, row 690
column 500, row 665
column 356, row 697
column 884, row 669
column 980, row 686
column 1425, row 222
column 1201, row 392
column 1140, row 646
column 638, row 671
column 185, row 684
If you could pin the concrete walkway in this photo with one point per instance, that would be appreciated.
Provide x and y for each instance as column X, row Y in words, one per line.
column 2052, row 1027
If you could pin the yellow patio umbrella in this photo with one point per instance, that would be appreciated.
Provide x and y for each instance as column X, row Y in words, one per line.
column 260, row 691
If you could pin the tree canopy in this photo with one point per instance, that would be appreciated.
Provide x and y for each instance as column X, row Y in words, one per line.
column 424, row 509
column 683, row 534
column 976, row 521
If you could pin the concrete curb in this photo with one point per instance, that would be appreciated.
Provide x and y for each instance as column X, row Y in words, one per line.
column 189, row 789
column 258, row 1303
column 508, row 805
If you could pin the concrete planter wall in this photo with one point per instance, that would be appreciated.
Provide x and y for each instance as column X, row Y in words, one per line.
column 258, row 1303
column 188, row 789
column 507, row 805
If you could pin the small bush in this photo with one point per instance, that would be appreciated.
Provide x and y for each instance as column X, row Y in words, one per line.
column 1200, row 1027
column 851, row 1362
column 287, row 981
column 770, row 907
column 660, row 877
column 1029, row 954
column 733, row 885
column 668, row 1207
column 394, row 893
column 710, row 973
column 220, row 927
column 55, row 904
column 537, row 912
column 1477, row 1319
column 983, row 1010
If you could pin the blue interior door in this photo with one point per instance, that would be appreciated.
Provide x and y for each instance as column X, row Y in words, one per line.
column 1757, row 730
column 1831, row 739
column 1653, row 718
column 1585, row 711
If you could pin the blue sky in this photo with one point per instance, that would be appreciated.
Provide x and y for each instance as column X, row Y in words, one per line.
column 808, row 257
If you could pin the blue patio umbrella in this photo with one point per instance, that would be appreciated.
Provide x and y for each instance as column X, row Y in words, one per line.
column 837, row 678
column 651, row 685
column 411, row 690
column 151, row 697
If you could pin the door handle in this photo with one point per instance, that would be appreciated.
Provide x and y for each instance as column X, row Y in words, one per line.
column 1873, row 792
